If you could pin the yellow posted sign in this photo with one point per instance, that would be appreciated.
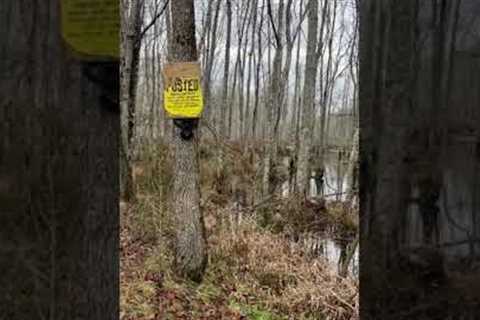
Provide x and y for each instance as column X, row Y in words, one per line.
column 91, row 27
column 183, row 94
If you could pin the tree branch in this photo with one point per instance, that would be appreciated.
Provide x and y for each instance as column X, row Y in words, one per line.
column 269, row 9
column 154, row 20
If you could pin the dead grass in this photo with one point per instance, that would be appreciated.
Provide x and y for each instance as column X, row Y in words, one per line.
column 254, row 272
column 282, row 278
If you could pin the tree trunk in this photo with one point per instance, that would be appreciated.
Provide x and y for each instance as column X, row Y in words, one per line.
column 273, row 103
column 257, row 73
column 190, row 246
column 352, row 169
column 226, row 71
column 251, row 62
column 131, row 45
column 224, row 102
column 419, row 121
column 328, row 84
column 303, row 166
column 210, row 59
column 296, row 94
column 167, row 123
column 58, row 172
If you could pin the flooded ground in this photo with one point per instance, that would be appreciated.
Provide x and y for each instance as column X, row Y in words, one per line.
column 333, row 252
column 335, row 185
column 334, row 189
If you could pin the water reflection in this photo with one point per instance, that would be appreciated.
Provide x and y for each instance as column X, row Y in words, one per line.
column 335, row 251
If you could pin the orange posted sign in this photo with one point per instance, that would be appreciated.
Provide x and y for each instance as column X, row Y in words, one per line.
column 182, row 94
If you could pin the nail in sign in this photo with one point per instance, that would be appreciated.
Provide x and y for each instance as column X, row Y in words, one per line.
column 183, row 94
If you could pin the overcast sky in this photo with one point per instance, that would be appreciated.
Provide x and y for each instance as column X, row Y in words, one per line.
column 346, row 20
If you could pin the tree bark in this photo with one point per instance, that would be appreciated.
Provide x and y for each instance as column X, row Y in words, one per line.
column 190, row 246
column 58, row 172
column 131, row 45
column 257, row 73
column 352, row 169
column 273, row 102
column 416, row 59
column 226, row 69
column 310, row 75
column 251, row 62
column 209, row 63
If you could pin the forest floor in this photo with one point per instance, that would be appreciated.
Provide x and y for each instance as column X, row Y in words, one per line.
column 254, row 269
column 252, row 274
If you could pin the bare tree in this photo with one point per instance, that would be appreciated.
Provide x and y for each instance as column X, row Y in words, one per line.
column 58, row 171
column 190, row 245
column 314, row 50
column 131, row 45
column 417, row 129
column 226, row 68
column 210, row 33
column 258, row 69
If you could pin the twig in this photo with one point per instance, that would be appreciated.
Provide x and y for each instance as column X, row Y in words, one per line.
column 144, row 31
column 335, row 194
column 220, row 140
column 261, row 203
column 269, row 9
column 341, row 300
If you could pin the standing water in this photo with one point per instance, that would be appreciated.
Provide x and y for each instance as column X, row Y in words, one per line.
column 330, row 249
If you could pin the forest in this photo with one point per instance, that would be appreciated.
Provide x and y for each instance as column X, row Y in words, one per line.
column 240, row 159
column 256, row 216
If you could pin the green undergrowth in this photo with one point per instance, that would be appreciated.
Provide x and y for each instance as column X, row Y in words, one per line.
column 254, row 312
